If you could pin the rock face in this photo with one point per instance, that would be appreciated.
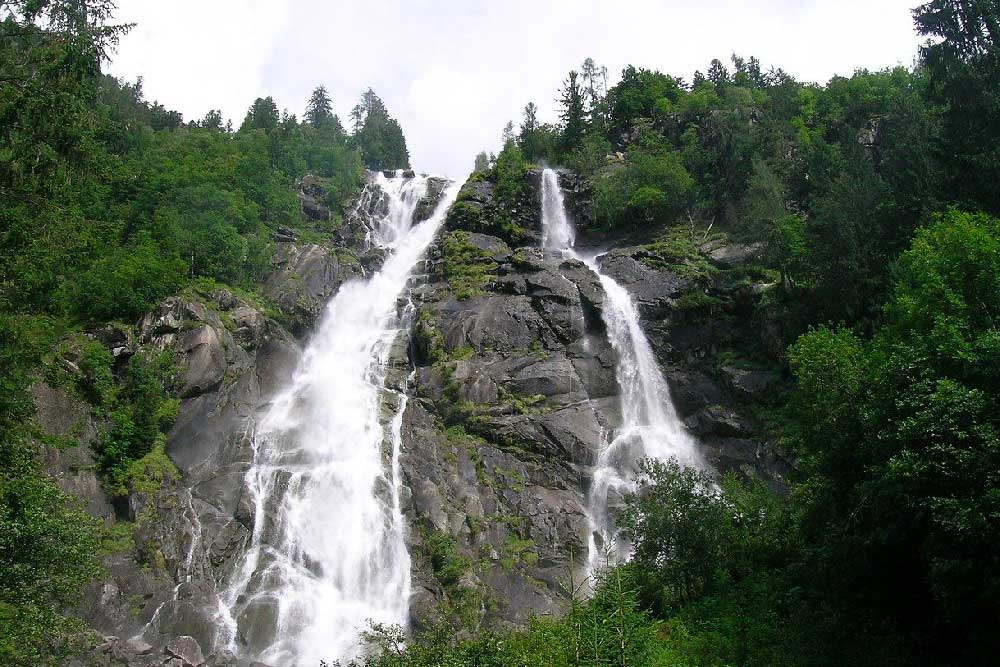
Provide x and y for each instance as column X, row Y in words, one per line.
column 229, row 359
column 64, row 418
column 715, row 355
column 302, row 279
column 511, row 391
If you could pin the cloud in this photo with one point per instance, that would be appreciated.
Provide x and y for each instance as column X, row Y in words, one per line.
column 453, row 72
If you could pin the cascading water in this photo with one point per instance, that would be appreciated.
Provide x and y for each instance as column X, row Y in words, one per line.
column 650, row 426
column 327, row 552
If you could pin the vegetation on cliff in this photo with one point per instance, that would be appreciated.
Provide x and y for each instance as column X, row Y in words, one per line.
column 109, row 203
column 869, row 203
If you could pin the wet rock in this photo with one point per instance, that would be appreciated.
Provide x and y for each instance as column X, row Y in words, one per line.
column 654, row 291
column 509, row 491
column 138, row 647
column 302, row 278
column 428, row 203
column 223, row 658
column 719, row 421
column 258, row 623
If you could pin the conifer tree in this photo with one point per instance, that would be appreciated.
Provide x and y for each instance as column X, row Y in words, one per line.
column 572, row 114
column 378, row 134
column 319, row 110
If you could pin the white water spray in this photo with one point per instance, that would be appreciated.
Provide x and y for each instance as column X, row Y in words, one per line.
column 327, row 552
column 650, row 426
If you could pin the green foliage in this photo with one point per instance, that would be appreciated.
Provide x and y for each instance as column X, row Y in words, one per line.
column 47, row 544
column 964, row 63
column 140, row 414
column 46, row 557
column 899, row 437
column 124, row 283
column 572, row 114
column 652, row 188
column 641, row 93
column 676, row 250
column 378, row 135
column 447, row 563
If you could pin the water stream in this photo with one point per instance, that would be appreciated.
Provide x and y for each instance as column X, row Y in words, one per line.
column 650, row 426
column 327, row 552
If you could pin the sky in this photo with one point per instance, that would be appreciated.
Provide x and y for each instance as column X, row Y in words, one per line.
column 453, row 72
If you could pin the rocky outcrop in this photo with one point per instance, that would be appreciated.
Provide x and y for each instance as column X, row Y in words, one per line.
column 70, row 431
column 303, row 277
column 311, row 197
column 229, row 358
column 513, row 390
column 716, row 355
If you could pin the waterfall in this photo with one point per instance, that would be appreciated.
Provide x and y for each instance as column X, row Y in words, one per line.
column 327, row 551
column 650, row 426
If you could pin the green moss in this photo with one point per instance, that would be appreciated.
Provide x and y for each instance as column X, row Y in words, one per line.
column 463, row 352
column 524, row 405
column 150, row 472
column 696, row 300
column 466, row 267
column 518, row 552
column 452, row 407
column 466, row 215
column 117, row 538
column 677, row 251
column 428, row 339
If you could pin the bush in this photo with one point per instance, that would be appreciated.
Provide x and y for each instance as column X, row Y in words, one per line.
column 124, row 283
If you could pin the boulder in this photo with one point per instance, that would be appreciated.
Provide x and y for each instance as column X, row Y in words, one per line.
column 250, row 325
column 729, row 254
column 186, row 649
column 312, row 209
column 116, row 339
column 204, row 360
column 718, row 420
column 170, row 316
column 748, row 383
column 302, row 278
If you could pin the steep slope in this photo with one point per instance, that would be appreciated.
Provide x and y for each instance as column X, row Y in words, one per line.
column 502, row 390
column 515, row 396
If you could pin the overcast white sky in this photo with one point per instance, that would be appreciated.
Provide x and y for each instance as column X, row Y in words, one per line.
column 454, row 71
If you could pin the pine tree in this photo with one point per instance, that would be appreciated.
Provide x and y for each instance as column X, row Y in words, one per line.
column 319, row 110
column 262, row 115
column 482, row 162
column 718, row 74
column 379, row 135
column 595, row 88
column 572, row 114
column 508, row 133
